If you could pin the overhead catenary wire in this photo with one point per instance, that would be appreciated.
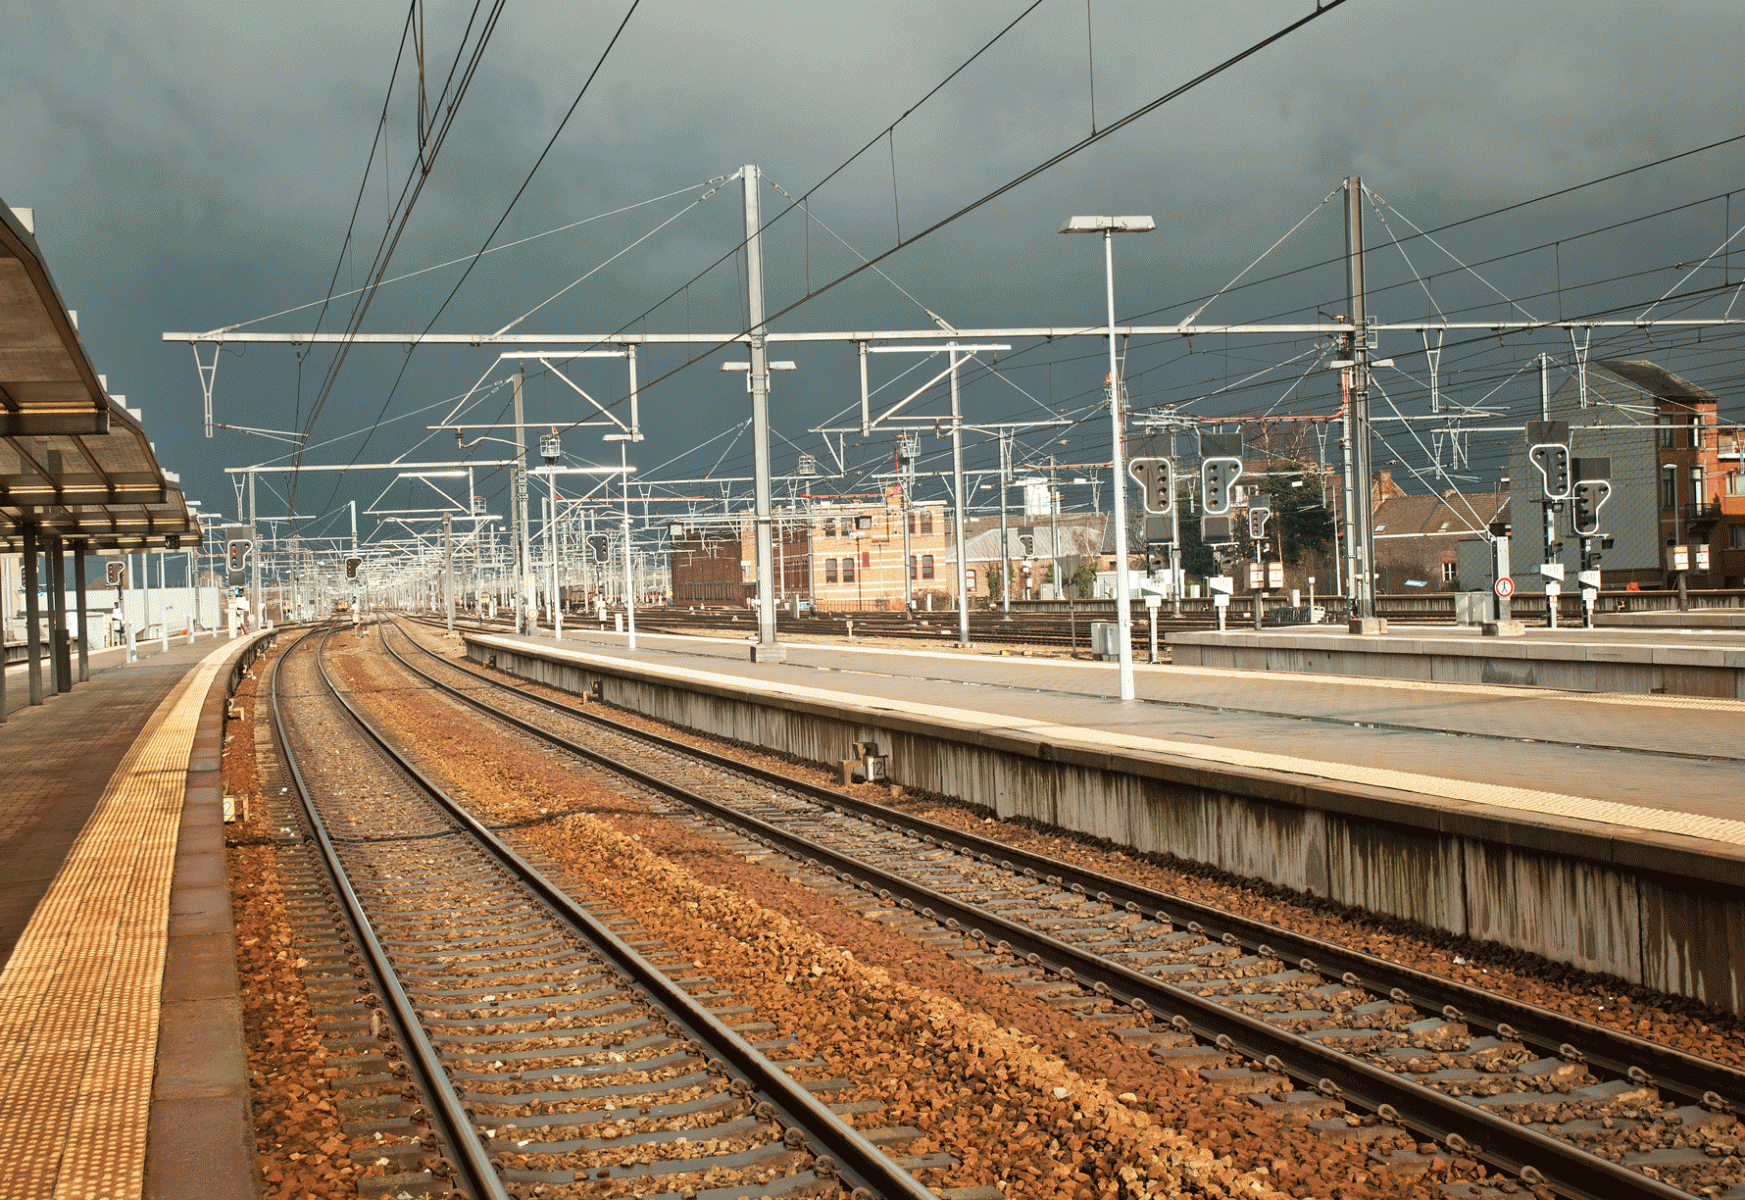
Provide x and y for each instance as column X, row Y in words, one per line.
column 574, row 104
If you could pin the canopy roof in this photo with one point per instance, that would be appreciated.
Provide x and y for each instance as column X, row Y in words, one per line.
column 74, row 461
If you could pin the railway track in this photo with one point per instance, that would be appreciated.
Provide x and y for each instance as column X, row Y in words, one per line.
column 1581, row 1109
column 501, row 1037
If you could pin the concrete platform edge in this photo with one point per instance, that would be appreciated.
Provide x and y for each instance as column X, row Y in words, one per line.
column 200, row 1136
column 1656, row 908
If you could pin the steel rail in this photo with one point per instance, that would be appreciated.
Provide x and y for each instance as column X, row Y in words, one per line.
column 1701, row 1080
column 1463, row 1127
column 461, row 1143
column 857, row 1161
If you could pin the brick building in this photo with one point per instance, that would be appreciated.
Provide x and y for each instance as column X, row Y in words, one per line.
column 1675, row 475
column 839, row 555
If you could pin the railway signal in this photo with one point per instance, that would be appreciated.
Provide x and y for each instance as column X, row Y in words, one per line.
column 115, row 572
column 1156, row 479
column 1590, row 496
column 351, row 566
column 237, row 551
column 1257, row 517
column 1549, row 453
column 1218, row 477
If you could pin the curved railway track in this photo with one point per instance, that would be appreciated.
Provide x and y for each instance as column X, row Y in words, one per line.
column 545, row 1048
column 1585, row 1110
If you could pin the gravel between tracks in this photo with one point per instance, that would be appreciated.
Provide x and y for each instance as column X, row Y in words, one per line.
column 300, row 1148
column 1019, row 1092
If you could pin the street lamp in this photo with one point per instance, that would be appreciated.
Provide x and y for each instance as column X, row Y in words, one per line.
column 1109, row 227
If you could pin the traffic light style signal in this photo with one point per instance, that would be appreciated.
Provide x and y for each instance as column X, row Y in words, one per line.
column 1156, row 480
column 1257, row 517
column 1217, row 478
column 351, row 566
column 599, row 544
column 236, row 552
column 1552, row 459
column 1590, row 497
column 115, row 572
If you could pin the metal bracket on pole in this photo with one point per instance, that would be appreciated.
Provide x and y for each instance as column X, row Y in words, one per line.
column 208, row 375
column 865, row 396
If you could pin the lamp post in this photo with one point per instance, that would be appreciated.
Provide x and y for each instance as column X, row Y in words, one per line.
column 1109, row 227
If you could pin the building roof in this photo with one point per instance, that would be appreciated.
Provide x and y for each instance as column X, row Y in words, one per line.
column 1450, row 513
column 74, row 461
column 1656, row 380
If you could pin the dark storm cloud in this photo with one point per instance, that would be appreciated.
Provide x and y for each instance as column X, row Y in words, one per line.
column 195, row 165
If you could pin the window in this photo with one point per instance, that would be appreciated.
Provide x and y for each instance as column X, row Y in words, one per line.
column 830, row 570
column 927, row 566
column 848, row 569
column 914, row 566
column 1669, row 486
column 1665, row 424
column 866, row 560
column 1450, row 572
column 829, row 526
column 1736, row 537
column 971, row 577
column 927, row 521
column 1736, row 484
column 1696, row 432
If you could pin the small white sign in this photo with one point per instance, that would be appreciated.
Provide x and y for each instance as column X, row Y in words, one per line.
column 1551, row 570
column 1221, row 585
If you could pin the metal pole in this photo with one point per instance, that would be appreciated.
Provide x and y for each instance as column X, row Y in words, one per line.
column 448, row 572
column 519, row 518
column 767, row 649
column 552, row 542
column 1360, row 534
column 906, row 480
column 957, row 522
column 1548, row 504
column 1175, row 549
column 60, row 661
column 629, row 578
column 1123, row 608
column 1005, row 558
column 164, row 601
column 32, row 614
column 257, row 611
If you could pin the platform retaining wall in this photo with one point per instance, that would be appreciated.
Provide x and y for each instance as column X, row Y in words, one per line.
column 1661, row 910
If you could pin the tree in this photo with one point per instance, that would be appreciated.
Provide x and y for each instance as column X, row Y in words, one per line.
column 1301, row 525
column 1084, row 580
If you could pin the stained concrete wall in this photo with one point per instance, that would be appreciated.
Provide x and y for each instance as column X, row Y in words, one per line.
column 1657, row 909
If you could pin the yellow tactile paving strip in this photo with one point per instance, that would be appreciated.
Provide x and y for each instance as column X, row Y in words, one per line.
column 1611, row 812
column 79, row 997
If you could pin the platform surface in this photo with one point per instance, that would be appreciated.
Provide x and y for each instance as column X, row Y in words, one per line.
column 91, row 794
column 1676, row 764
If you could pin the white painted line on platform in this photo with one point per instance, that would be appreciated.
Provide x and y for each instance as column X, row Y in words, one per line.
column 1633, row 816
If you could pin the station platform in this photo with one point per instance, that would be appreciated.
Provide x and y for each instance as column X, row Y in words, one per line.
column 120, row 1030
column 1658, row 658
column 1586, row 826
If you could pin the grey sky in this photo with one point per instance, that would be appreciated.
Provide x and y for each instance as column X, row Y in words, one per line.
column 194, row 165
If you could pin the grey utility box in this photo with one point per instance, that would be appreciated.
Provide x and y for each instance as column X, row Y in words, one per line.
column 1472, row 608
column 1106, row 640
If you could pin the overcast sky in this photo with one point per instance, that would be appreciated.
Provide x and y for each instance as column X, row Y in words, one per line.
column 194, row 166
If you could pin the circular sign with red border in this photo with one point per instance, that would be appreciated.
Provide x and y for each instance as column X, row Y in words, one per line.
column 1505, row 587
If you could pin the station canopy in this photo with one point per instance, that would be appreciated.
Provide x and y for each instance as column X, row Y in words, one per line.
column 74, row 461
